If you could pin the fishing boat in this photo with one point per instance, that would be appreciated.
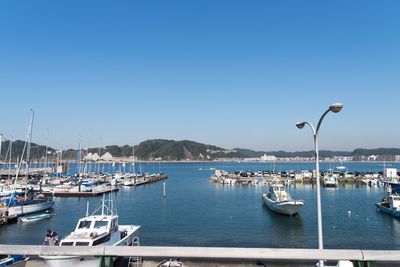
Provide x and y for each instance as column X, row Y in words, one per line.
column 278, row 200
column 35, row 217
column 330, row 181
column 13, row 260
column 391, row 202
column 99, row 229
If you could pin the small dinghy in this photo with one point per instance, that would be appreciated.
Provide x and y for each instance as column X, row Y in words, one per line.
column 34, row 217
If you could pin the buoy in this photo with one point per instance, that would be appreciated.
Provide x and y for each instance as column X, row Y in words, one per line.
column 164, row 190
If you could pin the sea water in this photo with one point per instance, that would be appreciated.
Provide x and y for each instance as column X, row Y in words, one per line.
column 196, row 212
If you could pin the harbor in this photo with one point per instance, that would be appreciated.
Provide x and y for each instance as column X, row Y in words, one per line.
column 230, row 210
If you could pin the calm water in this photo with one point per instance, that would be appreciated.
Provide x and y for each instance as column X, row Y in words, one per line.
column 199, row 213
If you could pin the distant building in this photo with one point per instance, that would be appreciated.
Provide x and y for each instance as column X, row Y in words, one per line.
column 251, row 159
column 266, row 157
column 95, row 157
column 106, row 157
column 88, row 157
column 391, row 173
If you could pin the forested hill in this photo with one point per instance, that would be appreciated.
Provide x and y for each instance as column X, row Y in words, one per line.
column 161, row 149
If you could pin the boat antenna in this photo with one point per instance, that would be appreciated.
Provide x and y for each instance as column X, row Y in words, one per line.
column 102, row 205
column 87, row 208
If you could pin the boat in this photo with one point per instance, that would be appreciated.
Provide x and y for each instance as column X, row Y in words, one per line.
column 170, row 263
column 35, row 217
column 31, row 202
column 278, row 200
column 13, row 260
column 99, row 229
column 330, row 180
column 390, row 203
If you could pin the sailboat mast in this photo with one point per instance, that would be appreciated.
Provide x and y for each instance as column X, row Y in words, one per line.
column 28, row 152
column 1, row 141
column 133, row 159
column 9, row 160
column 47, row 145
column 28, row 137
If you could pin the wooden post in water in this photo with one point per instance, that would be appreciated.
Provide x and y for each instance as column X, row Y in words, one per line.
column 164, row 190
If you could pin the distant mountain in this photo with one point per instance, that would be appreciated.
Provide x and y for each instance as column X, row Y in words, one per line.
column 180, row 150
column 37, row 151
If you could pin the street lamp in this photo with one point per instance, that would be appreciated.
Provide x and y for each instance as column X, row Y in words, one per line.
column 335, row 108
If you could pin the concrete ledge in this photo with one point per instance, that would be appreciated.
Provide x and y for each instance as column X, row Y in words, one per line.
column 209, row 253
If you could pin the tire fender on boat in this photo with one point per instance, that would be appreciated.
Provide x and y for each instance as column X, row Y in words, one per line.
column 93, row 234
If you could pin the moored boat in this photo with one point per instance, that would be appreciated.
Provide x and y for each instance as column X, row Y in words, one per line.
column 170, row 263
column 390, row 203
column 35, row 217
column 13, row 261
column 98, row 229
column 278, row 200
column 33, row 204
column 330, row 181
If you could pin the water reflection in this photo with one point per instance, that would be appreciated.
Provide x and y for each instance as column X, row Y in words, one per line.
column 287, row 231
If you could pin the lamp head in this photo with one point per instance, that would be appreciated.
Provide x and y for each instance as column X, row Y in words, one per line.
column 336, row 107
column 300, row 125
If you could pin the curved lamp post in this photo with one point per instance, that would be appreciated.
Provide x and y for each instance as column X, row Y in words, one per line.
column 335, row 108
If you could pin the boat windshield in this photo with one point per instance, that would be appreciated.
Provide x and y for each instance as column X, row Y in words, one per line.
column 82, row 244
column 100, row 224
column 84, row 225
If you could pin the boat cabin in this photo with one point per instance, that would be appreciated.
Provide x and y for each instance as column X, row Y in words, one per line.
column 92, row 231
column 277, row 192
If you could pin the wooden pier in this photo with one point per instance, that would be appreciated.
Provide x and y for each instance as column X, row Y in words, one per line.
column 150, row 179
column 81, row 194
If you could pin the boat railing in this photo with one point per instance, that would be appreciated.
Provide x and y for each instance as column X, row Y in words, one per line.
column 208, row 253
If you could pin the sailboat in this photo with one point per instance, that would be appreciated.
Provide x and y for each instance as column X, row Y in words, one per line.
column 30, row 202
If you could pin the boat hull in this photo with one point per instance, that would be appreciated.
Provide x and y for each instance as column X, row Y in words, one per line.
column 20, row 210
column 89, row 261
column 34, row 218
column 62, row 261
column 12, row 261
column 285, row 207
column 387, row 210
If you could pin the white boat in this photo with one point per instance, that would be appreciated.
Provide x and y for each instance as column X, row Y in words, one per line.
column 278, row 200
column 34, row 217
column 13, row 260
column 95, row 230
column 33, row 205
column 129, row 182
column 330, row 180
column 170, row 263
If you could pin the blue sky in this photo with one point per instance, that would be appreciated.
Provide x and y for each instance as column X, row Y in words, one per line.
column 228, row 73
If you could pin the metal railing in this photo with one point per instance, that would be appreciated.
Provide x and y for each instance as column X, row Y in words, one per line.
column 209, row 253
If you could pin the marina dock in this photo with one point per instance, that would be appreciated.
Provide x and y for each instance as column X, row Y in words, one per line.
column 80, row 194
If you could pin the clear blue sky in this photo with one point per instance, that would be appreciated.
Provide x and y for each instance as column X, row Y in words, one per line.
column 228, row 73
